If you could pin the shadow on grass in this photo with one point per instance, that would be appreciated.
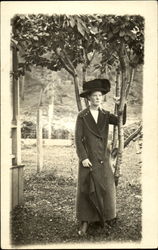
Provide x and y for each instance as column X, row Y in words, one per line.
column 32, row 227
column 48, row 216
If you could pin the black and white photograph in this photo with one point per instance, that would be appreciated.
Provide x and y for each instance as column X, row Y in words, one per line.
column 79, row 125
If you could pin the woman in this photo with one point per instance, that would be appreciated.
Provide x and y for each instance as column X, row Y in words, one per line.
column 96, row 194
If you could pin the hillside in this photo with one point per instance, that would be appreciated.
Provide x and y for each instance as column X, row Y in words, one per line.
column 65, row 108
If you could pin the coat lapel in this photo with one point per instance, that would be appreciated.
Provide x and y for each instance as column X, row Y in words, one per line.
column 102, row 120
column 90, row 122
column 95, row 128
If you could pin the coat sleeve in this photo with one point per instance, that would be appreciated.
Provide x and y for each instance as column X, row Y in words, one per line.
column 79, row 138
column 113, row 119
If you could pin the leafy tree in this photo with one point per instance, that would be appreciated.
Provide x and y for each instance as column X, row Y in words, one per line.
column 122, row 48
column 56, row 42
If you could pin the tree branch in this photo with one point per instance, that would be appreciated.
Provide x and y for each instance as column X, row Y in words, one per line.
column 69, row 62
column 92, row 57
column 69, row 69
column 132, row 136
column 66, row 67
column 110, row 55
column 86, row 58
column 130, row 82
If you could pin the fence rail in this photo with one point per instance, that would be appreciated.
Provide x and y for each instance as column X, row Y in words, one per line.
column 64, row 137
column 28, row 131
column 49, row 142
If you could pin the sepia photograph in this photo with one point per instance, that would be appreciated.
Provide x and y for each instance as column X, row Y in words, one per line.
column 79, row 119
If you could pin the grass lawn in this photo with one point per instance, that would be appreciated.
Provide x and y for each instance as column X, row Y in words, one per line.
column 48, row 213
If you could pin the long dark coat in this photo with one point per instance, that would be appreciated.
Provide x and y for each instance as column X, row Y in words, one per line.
column 96, row 194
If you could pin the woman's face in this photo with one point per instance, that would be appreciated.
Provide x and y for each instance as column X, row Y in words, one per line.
column 96, row 98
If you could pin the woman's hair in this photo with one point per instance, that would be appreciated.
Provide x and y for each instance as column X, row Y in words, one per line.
column 90, row 93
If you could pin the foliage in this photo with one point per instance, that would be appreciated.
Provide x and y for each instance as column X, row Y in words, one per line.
column 46, row 40
column 55, row 41
column 117, row 31
column 65, row 41
column 122, row 42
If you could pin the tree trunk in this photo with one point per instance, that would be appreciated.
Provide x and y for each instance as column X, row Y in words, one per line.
column 120, row 147
column 78, row 100
column 122, row 92
column 84, row 80
column 117, row 93
column 120, row 120
column 67, row 64
column 132, row 72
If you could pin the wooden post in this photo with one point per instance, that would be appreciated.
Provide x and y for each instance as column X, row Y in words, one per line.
column 50, row 115
column 17, row 185
column 16, row 127
column 17, row 168
column 22, row 85
column 39, row 139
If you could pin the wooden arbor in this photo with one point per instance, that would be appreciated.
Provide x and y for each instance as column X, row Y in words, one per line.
column 16, row 166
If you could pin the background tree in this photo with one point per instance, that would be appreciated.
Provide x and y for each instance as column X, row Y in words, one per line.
column 56, row 42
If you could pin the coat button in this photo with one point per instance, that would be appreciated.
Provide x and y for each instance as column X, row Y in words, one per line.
column 101, row 162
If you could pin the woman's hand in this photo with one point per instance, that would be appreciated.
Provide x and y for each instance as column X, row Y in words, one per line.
column 86, row 163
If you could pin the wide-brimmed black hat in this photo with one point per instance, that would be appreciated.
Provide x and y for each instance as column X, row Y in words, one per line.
column 102, row 85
